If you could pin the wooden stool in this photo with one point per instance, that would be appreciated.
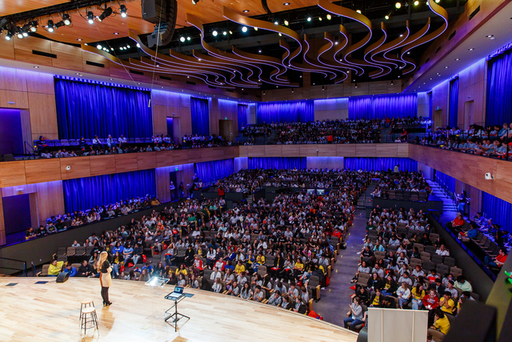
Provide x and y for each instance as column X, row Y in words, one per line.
column 84, row 304
column 88, row 316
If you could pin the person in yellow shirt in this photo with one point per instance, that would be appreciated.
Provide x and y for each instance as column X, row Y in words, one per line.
column 446, row 303
column 55, row 268
column 239, row 268
column 298, row 267
column 181, row 270
column 441, row 325
column 418, row 293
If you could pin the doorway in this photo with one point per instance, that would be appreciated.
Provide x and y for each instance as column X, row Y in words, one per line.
column 20, row 213
column 468, row 113
column 11, row 133
column 226, row 129
column 438, row 118
column 170, row 128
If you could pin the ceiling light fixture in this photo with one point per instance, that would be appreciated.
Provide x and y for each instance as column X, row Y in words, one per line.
column 182, row 39
column 255, row 29
column 358, row 11
column 33, row 26
column 457, row 59
column 107, row 12
column 244, row 29
column 49, row 26
column 225, row 33
column 319, row 18
column 194, row 2
column 416, row 3
column 398, row 5
column 79, row 39
column 98, row 47
column 90, row 17
column 124, row 13
column 471, row 49
column 259, row 51
column 188, row 38
column 386, row 17
column 286, row 4
column 214, row 33
column 67, row 19
column 437, row 1
column 276, row 22
column 246, row 11
column 328, row 16
column 60, row 24
column 116, row 33
column 286, row 23
column 309, row 19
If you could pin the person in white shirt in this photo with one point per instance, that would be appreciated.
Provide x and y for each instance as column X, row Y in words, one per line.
column 442, row 251
column 217, row 286
column 403, row 293
column 215, row 274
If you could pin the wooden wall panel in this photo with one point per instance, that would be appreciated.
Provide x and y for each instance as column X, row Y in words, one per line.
column 43, row 116
column 387, row 150
column 365, row 150
column 146, row 160
column 12, row 173
column 164, row 158
column 403, row 151
column 2, row 224
column 102, row 165
column 126, row 162
column 42, row 170
column 12, row 79
column 79, row 167
column 13, row 99
column 257, row 151
column 346, row 150
column 40, row 83
column 180, row 157
column 50, row 200
column 274, row 150
column 243, row 151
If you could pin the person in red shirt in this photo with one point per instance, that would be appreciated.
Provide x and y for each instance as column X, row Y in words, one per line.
column 498, row 261
column 329, row 139
column 457, row 223
column 198, row 264
column 220, row 191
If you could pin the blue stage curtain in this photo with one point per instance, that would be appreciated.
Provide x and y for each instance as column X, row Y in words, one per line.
column 445, row 181
column 380, row 164
column 381, row 107
column 498, row 210
column 454, row 103
column 200, row 116
column 210, row 172
column 429, row 105
column 86, row 193
column 242, row 116
column 296, row 111
column 499, row 90
column 89, row 109
column 279, row 163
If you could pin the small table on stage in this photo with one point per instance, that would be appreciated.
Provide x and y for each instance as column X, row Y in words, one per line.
column 175, row 316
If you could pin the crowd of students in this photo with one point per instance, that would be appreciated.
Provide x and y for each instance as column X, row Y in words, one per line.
column 79, row 218
column 493, row 141
column 393, row 258
column 406, row 181
column 98, row 146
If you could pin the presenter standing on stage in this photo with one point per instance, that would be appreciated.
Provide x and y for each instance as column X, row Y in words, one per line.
column 105, row 280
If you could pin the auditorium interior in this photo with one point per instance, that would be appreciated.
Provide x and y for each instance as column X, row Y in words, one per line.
column 311, row 170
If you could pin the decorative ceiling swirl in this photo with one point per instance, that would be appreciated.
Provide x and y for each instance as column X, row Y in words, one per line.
column 333, row 55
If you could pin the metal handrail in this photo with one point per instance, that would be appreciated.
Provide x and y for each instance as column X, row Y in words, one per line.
column 24, row 269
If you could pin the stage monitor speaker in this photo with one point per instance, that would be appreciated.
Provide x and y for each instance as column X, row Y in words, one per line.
column 363, row 335
column 162, row 13
column 62, row 277
column 476, row 322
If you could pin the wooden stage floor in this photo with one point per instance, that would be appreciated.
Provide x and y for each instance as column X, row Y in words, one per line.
column 50, row 311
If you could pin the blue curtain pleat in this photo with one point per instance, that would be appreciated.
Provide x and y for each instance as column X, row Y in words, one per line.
column 86, row 109
column 380, row 164
column 200, row 116
column 499, row 210
column 445, row 181
column 429, row 105
column 381, row 107
column 297, row 111
column 86, row 193
column 280, row 163
column 454, row 103
column 210, row 172
column 499, row 90
column 242, row 116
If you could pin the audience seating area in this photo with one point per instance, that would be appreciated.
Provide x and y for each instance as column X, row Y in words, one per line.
column 404, row 185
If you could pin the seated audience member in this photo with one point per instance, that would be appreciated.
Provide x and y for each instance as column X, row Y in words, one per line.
column 463, row 285
column 441, row 325
column 376, row 299
column 446, row 303
column 403, row 293
column 275, row 299
column 299, row 307
column 355, row 315
column 498, row 261
column 30, row 234
column 417, row 294
column 71, row 270
column 55, row 268
column 457, row 223
column 85, row 270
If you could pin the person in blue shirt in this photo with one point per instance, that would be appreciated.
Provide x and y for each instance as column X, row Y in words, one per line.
column 71, row 270
column 128, row 252
column 148, row 267
column 118, row 248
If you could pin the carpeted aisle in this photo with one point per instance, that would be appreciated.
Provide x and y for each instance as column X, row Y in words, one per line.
column 333, row 305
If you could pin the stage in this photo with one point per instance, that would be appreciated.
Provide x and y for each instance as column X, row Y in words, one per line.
column 50, row 312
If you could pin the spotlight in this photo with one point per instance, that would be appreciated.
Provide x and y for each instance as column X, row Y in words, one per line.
column 319, row 18
column 60, row 24
column 280, row 34
column 286, row 23
column 66, row 19
column 276, row 22
column 358, row 11
column 398, row 5
column 50, row 26
column 323, row 87
column 328, row 16
column 138, row 45
column 386, row 17
column 25, row 29
column 19, row 34
column 182, row 39
column 90, row 17
column 416, row 3
column 246, row 11
column 123, row 11
column 438, row 1
column 244, row 29
column 33, row 26
column 286, row 4
column 98, row 47
column 225, row 33
column 255, row 29
column 194, row 2
column 188, row 38
column 230, row 32
column 215, row 33
column 107, row 12
column 259, row 51
column 8, row 36
column 309, row 19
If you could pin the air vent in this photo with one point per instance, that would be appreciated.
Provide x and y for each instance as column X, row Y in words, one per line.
column 230, row 90
column 44, row 54
column 136, row 72
column 191, row 83
column 437, row 50
column 474, row 13
column 95, row 64
column 212, row 87
column 167, row 78
column 452, row 35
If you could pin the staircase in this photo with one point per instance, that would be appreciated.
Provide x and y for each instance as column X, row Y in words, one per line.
column 449, row 204
column 366, row 199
